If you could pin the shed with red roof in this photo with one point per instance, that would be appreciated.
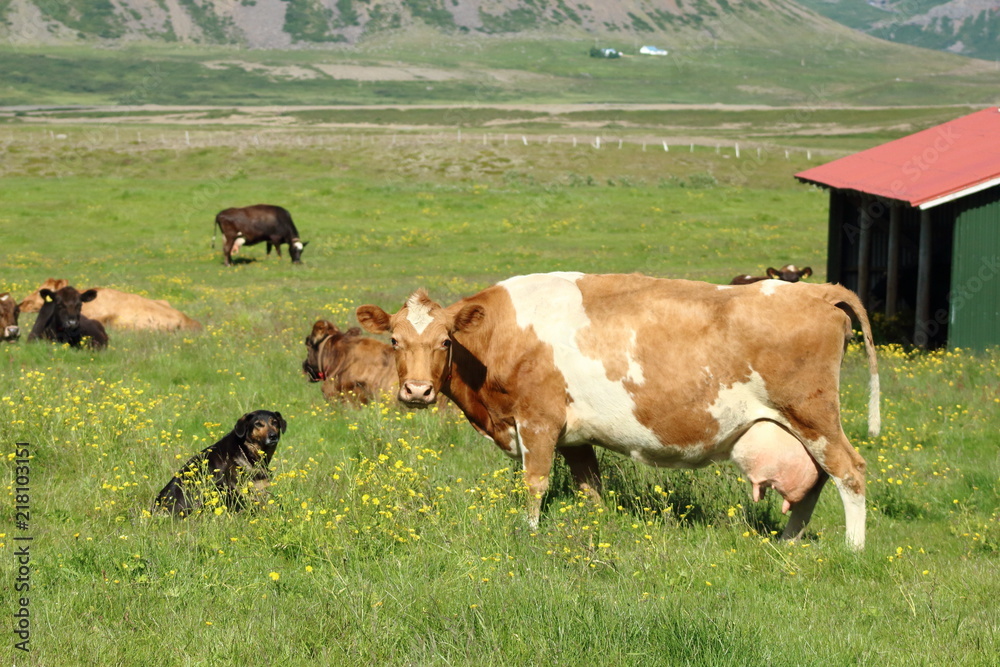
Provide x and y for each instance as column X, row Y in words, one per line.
column 915, row 230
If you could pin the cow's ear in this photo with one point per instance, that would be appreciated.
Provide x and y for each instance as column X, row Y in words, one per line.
column 806, row 272
column 47, row 295
column 774, row 274
column 89, row 295
column 469, row 318
column 305, row 243
column 243, row 425
column 353, row 331
column 373, row 319
column 282, row 424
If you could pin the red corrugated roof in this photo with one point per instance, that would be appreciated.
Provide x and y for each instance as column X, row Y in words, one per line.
column 924, row 169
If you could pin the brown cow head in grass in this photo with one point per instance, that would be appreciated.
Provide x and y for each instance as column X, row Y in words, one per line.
column 9, row 310
column 319, row 347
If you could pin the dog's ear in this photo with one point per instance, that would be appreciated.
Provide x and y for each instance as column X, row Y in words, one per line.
column 282, row 424
column 243, row 425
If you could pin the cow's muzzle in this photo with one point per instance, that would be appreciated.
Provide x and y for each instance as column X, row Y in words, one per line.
column 417, row 394
column 13, row 332
column 315, row 375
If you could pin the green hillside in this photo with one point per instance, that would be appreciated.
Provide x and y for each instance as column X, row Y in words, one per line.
column 424, row 67
column 969, row 27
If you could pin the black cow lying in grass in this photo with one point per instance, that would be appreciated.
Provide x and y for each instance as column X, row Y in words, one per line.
column 232, row 473
column 60, row 319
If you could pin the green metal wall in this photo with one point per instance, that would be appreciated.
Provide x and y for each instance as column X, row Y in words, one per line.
column 974, row 309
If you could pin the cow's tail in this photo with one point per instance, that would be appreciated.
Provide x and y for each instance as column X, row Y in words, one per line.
column 849, row 302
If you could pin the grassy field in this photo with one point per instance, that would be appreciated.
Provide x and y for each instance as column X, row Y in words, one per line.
column 399, row 538
column 801, row 69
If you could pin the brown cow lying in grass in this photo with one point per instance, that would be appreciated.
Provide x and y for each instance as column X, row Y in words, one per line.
column 789, row 273
column 351, row 367
column 120, row 309
column 9, row 310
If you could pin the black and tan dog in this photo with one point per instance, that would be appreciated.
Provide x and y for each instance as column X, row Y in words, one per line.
column 230, row 472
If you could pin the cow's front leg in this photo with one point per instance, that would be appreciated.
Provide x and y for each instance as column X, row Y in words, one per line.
column 537, row 446
column 586, row 472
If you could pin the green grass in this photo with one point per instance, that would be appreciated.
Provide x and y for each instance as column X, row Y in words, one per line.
column 399, row 538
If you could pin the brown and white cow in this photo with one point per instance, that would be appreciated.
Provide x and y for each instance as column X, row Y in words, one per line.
column 118, row 309
column 61, row 321
column 352, row 367
column 669, row 372
column 789, row 273
column 9, row 310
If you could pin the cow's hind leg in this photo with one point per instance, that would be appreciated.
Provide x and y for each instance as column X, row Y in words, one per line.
column 837, row 457
column 802, row 511
column 586, row 472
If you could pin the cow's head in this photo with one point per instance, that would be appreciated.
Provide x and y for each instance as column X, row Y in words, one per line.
column 789, row 273
column 318, row 344
column 295, row 249
column 9, row 310
column 34, row 302
column 422, row 340
column 66, row 304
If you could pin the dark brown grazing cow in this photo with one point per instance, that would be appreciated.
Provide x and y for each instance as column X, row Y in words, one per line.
column 114, row 308
column 9, row 310
column 233, row 472
column 60, row 319
column 352, row 367
column 789, row 273
column 672, row 373
column 255, row 224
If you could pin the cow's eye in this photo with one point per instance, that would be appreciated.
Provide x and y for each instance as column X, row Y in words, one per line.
column 393, row 342
column 446, row 343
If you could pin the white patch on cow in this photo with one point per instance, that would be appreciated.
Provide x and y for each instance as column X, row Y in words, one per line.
column 726, row 286
column 418, row 314
column 298, row 245
column 741, row 404
column 600, row 410
column 4, row 297
column 768, row 286
column 518, row 444
column 634, row 374
column 854, row 514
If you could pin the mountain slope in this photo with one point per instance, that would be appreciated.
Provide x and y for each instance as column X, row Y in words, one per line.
column 968, row 27
column 286, row 23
